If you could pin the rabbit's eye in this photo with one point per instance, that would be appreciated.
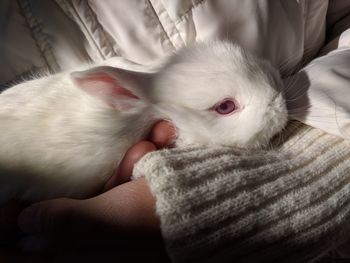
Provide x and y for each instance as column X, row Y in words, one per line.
column 225, row 107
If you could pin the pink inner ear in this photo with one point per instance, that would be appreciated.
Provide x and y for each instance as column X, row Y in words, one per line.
column 124, row 92
column 105, row 87
column 116, row 88
column 103, row 84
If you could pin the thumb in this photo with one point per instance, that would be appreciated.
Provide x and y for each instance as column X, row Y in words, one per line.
column 123, row 217
column 66, row 223
column 46, row 216
column 128, row 209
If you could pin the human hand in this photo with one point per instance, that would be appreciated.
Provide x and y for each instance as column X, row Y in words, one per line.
column 123, row 216
column 161, row 136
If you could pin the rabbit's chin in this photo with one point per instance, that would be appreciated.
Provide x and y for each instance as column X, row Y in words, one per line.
column 260, row 141
column 250, row 139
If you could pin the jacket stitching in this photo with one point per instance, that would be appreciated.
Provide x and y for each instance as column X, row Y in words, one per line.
column 196, row 4
column 174, row 24
column 40, row 38
column 99, row 28
column 157, row 21
column 70, row 9
column 306, row 18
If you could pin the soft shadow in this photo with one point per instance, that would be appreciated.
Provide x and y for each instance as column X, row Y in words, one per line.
column 296, row 93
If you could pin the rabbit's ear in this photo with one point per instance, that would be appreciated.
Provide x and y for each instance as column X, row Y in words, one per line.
column 121, row 89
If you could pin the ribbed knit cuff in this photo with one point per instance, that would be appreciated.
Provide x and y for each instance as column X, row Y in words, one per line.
column 222, row 204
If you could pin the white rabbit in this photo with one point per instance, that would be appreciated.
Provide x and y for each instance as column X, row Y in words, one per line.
column 64, row 134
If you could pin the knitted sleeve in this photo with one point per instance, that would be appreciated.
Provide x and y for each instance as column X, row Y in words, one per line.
column 289, row 204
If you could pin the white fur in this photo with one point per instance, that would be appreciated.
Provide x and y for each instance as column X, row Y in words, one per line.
column 57, row 140
column 197, row 78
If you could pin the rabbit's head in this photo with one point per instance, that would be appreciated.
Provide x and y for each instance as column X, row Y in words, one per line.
column 215, row 93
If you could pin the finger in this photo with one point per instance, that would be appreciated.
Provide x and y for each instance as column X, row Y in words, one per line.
column 126, row 166
column 10, row 210
column 127, row 207
column 122, row 218
column 44, row 216
column 9, row 231
column 134, row 204
column 163, row 134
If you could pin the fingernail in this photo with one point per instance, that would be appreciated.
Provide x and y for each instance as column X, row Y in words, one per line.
column 29, row 220
column 33, row 244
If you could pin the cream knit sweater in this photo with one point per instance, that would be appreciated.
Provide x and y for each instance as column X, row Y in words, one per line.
column 289, row 204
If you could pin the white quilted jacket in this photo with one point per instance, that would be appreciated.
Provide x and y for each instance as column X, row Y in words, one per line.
column 61, row 34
